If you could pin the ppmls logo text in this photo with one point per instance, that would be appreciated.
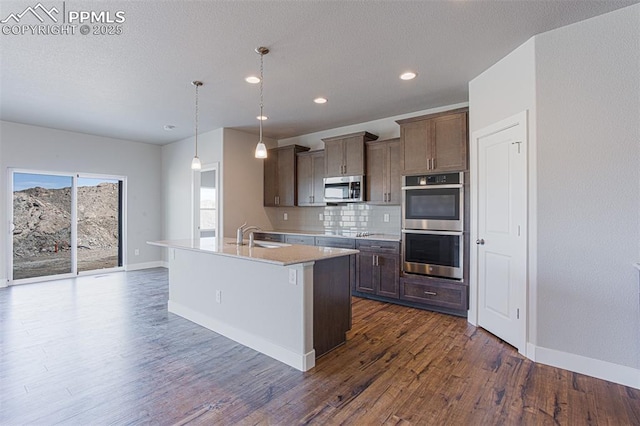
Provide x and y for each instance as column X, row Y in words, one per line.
column 57, row 19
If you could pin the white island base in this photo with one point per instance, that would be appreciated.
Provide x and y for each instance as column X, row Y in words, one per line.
column 261, row 304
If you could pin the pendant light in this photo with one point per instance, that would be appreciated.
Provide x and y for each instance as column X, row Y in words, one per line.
column 195, row 163
column 261, row 148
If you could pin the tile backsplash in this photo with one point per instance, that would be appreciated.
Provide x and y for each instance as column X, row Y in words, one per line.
column 356, row 217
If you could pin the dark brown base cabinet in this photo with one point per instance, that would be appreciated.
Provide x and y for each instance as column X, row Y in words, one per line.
column 375, row 273
column 440, row 294
column 378, row 267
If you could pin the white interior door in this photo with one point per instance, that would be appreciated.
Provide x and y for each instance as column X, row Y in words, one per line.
column 501, row 232
column 206, row 212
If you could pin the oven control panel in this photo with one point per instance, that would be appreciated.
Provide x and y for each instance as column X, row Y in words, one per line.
column 439, row 179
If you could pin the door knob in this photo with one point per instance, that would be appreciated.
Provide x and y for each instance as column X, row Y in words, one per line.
column 480, row 242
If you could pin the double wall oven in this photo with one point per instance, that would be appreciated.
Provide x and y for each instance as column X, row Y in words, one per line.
column 433, row 225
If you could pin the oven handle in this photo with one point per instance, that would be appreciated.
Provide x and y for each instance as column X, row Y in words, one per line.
column 415, row 231
column 458, row 185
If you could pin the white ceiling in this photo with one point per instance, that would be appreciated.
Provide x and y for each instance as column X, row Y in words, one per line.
column 129, row 86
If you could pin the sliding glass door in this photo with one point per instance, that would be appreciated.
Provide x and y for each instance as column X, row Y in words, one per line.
column 99, row 223
column 42, row 206
column 64, row 224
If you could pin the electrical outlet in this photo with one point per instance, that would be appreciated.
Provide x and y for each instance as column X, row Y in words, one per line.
column 320, row 217
column 292, row 276
column 219, row 296
column 136, row 252
column 285, row 216
column 385, row 217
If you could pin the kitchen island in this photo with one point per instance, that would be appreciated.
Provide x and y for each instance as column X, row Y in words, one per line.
column 290, row 302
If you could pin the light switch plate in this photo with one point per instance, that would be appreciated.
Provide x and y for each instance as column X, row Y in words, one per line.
column 320, row 217
column 292, row 276
column 385, row 217
column 219, row 296
column 285, row 216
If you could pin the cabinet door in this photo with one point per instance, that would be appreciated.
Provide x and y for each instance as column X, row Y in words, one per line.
column 388, row 270
column 305, row 180
column 375, row 177
column 394, row 177
column 354, row 156
column 271, row 178
column 365, row 272
column 333, row 157
column 287, row 178
column 415, row 147
column 449, row 142
column 317, row 184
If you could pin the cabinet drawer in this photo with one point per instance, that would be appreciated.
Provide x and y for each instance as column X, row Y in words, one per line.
column 306, row 240
column 378, row 246
column 439, row 293
column 347, row 243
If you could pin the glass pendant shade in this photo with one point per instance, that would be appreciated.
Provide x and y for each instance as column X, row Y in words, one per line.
column 195, row 163
column 261, row 150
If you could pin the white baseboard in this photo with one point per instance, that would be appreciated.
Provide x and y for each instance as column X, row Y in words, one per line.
column 623, row 375
column 302, row 362
column 146, row 265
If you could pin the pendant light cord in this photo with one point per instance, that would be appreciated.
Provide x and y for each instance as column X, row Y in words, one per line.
column 197, row 114
column 261, row 96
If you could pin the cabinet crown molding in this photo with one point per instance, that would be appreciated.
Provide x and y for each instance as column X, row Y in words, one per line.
column 430, row 116
column 365, row 135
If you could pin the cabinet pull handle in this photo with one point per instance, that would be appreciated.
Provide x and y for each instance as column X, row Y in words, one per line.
column 430, row 293
column 433, row 163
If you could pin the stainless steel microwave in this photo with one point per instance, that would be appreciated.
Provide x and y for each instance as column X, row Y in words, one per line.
column 344, row 189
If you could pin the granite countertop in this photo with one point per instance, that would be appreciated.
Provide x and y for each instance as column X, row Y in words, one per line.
column 278, row 254
column 348, row 234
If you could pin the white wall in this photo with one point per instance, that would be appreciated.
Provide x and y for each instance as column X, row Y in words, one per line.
column 177, row 178
column 39, row 148
column 506, row 89
column 385, row 128
column 582, row 89
column 588, row 98
column 243, row 182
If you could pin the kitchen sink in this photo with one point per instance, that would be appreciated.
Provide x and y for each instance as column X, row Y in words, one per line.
column 265, row 244
column 268, row 244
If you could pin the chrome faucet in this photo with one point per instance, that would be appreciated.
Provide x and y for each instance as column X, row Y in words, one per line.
column 241, row 231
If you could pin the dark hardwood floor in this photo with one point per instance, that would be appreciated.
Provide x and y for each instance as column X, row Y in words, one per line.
column 104, row 350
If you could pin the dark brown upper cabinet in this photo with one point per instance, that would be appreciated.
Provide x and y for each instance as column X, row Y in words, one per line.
column 344, row 155
column 280, row 167
column 310, row 178
column 383, row 172
column 434, row 143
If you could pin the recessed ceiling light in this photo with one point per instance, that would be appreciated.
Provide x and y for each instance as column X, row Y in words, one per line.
column 409, row 75
column 169, row 127
column 252, row 79
column 320, row 100
column 262, row 117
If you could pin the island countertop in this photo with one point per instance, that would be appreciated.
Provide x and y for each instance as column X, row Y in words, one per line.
column 278, row 254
